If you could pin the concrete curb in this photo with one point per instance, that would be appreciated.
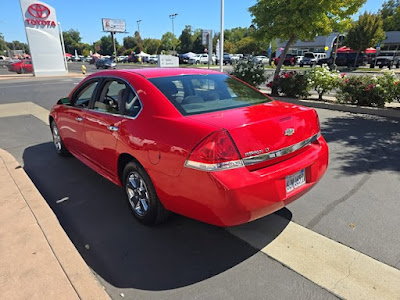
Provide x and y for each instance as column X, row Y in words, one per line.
column 79, row 275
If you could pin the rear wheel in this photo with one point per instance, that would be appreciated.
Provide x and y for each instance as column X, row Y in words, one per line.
column 141, row 195
column 58, row 143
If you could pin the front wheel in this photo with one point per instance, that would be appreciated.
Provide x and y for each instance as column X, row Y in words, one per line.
column 58, row 143
column 141, row 195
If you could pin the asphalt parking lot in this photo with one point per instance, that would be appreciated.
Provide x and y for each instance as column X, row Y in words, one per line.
column 355, row 204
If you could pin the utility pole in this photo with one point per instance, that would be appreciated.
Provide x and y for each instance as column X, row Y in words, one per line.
column 140, row 39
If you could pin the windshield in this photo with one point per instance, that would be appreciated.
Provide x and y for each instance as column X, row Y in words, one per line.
column 197, row 94
column 309, row 55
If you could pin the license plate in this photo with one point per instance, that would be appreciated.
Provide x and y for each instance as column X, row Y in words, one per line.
column 295, row 180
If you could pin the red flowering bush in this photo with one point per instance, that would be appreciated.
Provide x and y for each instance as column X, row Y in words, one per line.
column 291, row 84
column 369, row 90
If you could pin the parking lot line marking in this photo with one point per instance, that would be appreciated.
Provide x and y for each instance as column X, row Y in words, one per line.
column 339, row 269
column 24, row 108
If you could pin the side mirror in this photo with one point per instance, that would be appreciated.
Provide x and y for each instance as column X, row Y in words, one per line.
column 64, row 101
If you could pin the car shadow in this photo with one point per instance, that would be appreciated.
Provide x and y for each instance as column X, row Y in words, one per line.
column 95, row 215
column 364, row 143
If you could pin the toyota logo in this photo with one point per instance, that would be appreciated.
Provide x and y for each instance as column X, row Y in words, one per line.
column 39, row 11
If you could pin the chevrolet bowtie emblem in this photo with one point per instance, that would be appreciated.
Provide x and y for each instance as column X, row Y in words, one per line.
column 289, row 131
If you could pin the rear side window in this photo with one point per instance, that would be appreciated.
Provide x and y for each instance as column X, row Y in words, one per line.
column 196, row 94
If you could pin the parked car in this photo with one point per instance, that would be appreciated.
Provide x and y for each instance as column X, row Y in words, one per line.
column 165, row 135
column 204, row 59
column 387, row 59
column 21, row 67
column 290, row 60
column 153, row 59
column 345, row 60
column 299, row 58
column 236, row 57
column 122, row 58
column 105, row 63
column 194, row 60
column 260, row 59
column 311, row 59
column 226, row 59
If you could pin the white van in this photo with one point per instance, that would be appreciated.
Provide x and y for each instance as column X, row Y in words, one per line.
column 311, row 58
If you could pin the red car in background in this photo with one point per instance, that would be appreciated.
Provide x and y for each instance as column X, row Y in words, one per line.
column 21, row 67
column 290, row 60
column 195, row 142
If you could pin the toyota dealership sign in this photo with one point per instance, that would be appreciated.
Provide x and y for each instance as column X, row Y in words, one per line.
column 43, row 37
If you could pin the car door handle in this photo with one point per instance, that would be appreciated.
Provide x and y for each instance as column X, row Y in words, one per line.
column 112, row 128
column 79, row 119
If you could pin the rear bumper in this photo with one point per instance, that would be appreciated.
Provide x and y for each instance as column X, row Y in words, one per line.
column 237, row 196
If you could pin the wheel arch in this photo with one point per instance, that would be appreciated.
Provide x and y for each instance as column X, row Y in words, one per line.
column 123, row 160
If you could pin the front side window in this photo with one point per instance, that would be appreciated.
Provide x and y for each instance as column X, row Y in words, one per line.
column 196, row 94
column 82, row 98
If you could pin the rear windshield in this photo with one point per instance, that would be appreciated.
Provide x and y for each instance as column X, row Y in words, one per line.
column 197, row 94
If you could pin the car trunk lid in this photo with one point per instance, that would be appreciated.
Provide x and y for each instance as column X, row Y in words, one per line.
column 264, row 129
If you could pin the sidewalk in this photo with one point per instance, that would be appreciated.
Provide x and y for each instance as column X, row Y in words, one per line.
column 37, row 259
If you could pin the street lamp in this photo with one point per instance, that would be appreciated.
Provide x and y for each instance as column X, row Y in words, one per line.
column 140, row 42
column 172, row 17
column 221, row 40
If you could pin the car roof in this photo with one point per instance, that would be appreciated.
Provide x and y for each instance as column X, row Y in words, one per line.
column 167, row 72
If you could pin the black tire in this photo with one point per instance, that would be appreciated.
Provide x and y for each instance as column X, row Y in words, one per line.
column 57, row 140
column 155, row 213
column 301, row 65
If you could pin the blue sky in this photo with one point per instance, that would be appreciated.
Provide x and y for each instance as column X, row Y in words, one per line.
column 85, row 16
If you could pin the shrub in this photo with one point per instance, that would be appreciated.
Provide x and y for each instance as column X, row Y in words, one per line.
column 291, row 84
column 250, row 72
column 323, row 80
column 368, row 90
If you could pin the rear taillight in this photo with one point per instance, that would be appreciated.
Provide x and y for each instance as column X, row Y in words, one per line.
column 215, row 153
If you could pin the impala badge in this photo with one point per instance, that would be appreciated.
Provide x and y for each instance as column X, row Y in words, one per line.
column 289, row 131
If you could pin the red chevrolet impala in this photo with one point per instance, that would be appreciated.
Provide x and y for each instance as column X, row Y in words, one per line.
column 195, row 142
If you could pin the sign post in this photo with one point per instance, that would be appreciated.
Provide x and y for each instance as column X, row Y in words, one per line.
column 42, row 33
column 113, row 26
column 206, row 39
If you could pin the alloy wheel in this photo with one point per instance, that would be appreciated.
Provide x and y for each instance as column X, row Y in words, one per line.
column 138, row 194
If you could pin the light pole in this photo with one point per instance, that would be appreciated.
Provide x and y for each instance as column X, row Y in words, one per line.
column 172, row 17
column 62, row 45
column 140, row 41
column 221, row 40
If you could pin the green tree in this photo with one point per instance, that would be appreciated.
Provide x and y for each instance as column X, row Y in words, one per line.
column 291, row 20
column 131, row 42
column 198, row 47
column 72, row 38
column 151, row 46
column 186, row 39
column 3, row 44
column 247, row 45
column 105, row 45
column 169, row 42
column 390, row 13
column 366, row 32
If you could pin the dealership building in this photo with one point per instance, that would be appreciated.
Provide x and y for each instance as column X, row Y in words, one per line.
column 325, row 44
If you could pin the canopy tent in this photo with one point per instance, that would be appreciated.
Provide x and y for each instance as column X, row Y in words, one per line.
column 345, row 49
column 141, row 54
column 188, row 55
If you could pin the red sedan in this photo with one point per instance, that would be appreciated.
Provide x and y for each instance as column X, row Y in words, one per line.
column 195, row 142
column 21, row 67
